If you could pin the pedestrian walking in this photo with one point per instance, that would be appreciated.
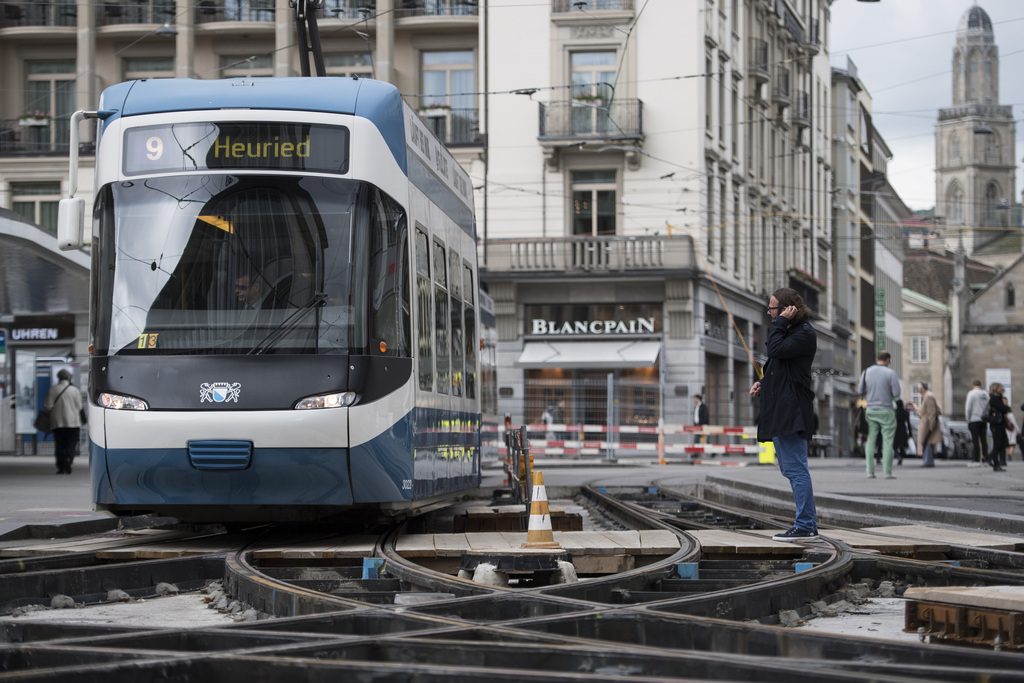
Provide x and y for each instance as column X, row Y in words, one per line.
column 929, row 429
column 548, row 418
column 880, row 386
column 700, row 417
column 975, row 407
column 64, row 402
column 787, row 403
column 996, row 418
column 901, row 439
column 1012, row 430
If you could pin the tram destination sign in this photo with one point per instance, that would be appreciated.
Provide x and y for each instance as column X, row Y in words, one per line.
column 236, row 145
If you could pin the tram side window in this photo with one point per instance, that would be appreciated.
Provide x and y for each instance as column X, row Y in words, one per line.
column 456, row 335
column 389, row 318
column 443, row 369
column 471, row 339
column 425, row 328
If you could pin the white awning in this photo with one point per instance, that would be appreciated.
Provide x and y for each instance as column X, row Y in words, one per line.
column 589, row 354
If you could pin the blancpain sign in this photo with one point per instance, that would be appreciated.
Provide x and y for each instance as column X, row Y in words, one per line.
column 636, row 326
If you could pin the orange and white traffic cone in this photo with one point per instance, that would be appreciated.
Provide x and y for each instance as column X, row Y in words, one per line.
column 539, row 534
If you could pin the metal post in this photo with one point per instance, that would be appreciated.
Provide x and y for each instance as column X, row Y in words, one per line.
column 610, row 411
column 524, row 442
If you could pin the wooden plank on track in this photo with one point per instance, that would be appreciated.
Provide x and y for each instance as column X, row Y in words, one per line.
column 482, row 541
column 658, row 542
column 1008, row 598
column 976, row 539
column 513, row 539
column 570, row 543
column 595, row 542
column 95, row 543
column 725, row 542
column 451, row 545
column 360, row 545
column 628, row 540
column 416, row 545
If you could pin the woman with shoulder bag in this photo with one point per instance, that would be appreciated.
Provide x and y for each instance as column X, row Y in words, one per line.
column 1012, row 430
column 65, row 405
column 997, row 407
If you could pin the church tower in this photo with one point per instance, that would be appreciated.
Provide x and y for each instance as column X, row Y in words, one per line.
column 975, row 143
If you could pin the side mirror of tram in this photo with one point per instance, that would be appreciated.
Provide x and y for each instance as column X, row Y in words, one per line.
column 71, row 223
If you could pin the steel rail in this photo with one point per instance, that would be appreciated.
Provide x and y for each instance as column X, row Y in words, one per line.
column 500, row 634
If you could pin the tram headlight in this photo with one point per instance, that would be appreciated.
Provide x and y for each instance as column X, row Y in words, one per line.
column 118, row 402
column 338, row 400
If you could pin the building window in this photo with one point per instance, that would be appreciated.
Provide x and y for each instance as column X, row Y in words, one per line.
column 148, row 67
column 992, row 146
column 352, row 64
column 593, row 87
column 919, row 349
column 237, row 66
column 956, row 205
column 447, row 101
column 1011, row 296
column 593, row 202
column 954, row 146
column 707, row 94
column 50, row 89
column 37, row 202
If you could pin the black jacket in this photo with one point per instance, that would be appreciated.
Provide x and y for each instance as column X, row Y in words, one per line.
column 787, row 398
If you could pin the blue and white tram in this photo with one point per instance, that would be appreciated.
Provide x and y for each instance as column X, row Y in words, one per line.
column 284, row 302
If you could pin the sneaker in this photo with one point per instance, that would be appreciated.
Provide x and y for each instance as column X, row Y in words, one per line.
column 795, row 534
column 871, row 475
column 890, row 476
column 974, row 464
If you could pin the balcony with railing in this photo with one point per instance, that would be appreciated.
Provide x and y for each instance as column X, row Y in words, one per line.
column 780, row 92
column 39, row 14
column 210, row 11
column 121, row 13
column 841, row 320
column 813, row 43
column 453, row 127
column 437, row 8
column 347, row 9
column 757, row 61
column 34, row 137
column 591, row 118
column 561, row 6
column 589, row 255
column 802, row 110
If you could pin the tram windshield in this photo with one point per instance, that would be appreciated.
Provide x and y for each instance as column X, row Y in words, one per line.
column 245, row 264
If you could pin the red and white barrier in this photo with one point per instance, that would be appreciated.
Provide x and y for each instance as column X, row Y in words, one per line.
column 577, row 446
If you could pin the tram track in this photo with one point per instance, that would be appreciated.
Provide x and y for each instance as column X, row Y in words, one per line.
column 414, row 622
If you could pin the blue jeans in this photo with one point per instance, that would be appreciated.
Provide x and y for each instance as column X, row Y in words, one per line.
column 791, row 452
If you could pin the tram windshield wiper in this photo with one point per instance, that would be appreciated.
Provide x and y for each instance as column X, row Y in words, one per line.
column 288, row 324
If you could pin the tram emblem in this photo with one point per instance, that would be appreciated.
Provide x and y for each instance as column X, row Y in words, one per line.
column 219, row 392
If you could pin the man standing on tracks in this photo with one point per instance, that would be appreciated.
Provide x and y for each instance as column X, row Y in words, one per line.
column 880, row 386
column 787, row 403
column 975, row 407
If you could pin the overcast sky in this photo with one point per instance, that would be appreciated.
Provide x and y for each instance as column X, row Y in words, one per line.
column 903, row 50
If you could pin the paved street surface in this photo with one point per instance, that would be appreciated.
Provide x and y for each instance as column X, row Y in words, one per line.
column 31, row 492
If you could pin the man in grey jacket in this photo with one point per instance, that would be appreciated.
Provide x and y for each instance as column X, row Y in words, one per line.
column 975, row 406
column 880, row 385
